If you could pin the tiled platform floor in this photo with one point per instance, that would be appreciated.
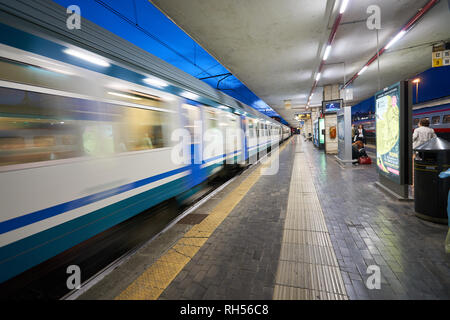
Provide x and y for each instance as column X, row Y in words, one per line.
column 364, row 227
column 368, row 227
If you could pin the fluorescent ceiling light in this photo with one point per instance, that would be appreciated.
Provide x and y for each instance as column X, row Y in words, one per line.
column 396, row 38
column 123, row 95
column 87, row 57
column 343, row 6
column 318, row 76
column 190, row 95
column 327, row 52
column 362, row 70
column 156, row 82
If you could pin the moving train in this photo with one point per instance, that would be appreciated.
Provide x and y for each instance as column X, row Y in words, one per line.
column 438, row 114
column 94, row 130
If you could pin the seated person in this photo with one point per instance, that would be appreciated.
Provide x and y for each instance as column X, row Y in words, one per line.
column 358, row 150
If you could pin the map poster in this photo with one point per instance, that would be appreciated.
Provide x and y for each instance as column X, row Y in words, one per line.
column 387, row 109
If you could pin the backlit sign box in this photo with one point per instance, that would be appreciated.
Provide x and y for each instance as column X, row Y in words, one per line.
column 392, row 133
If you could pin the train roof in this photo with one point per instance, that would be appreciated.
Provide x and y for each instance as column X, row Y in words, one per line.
column 47, row 19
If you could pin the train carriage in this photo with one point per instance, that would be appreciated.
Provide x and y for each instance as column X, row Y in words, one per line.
column 95, row 131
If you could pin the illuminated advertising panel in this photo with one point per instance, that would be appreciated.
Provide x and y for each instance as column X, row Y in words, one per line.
column 392, row 136
column 388, row 132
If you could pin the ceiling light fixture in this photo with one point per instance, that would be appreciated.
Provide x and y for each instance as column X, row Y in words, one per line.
column 343, row 6
column 318, row 76
column 396, row 38
column 87, row 57
column 363, row 70
column 327, row 52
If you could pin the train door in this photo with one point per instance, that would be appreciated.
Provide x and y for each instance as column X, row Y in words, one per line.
column 244, row 140
column 193, row 123
column 233, row 138
column 212, row 140
column 252, row 140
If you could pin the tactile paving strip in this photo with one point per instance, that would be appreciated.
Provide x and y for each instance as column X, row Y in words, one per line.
column 308, row 268
column 150, row 284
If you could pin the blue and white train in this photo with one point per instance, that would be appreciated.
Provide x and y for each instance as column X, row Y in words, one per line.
column 87, row 122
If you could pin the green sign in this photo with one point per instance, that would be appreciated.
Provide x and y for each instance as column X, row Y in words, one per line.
column 321, row 127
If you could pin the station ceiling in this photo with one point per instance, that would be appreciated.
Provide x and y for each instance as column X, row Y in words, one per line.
column 275, row 47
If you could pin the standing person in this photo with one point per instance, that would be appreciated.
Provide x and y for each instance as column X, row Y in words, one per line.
column 361, row 134
column 423, row 133
column 353, row 132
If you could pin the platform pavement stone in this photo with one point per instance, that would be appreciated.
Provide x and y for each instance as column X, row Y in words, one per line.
column 244, row 248
column 239, row 261
column 393, row 237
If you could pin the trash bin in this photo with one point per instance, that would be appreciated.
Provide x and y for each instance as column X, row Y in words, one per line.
column 431, row 192
column 446, row 175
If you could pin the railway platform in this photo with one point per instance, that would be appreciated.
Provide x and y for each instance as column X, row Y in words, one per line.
column 311, row 231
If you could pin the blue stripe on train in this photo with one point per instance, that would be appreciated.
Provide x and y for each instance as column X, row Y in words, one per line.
column 46, row 213
column 21, row 255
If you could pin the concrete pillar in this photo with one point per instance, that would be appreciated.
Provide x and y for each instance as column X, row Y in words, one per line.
column 331, row 92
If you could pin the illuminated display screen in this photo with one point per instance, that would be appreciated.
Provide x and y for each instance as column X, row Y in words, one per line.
column 331, row 106
column 387, row 108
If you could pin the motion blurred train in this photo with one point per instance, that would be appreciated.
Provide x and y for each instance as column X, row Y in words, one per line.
column 88, row 132
column 438, row 114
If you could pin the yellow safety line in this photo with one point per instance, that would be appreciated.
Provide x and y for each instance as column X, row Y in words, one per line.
column 152, row 283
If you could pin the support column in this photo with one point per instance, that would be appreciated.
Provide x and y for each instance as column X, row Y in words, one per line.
column 331, row 92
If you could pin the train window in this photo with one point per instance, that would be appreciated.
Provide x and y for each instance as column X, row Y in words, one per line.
column 192, row 117
column 211, row 118
column 436, row 120
column 44, row 141
column 416, row 121
column 38, row 127
column 143, row 129
column 446, row 118
column 251, row 134
column 62, row 78
column 8, row 143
